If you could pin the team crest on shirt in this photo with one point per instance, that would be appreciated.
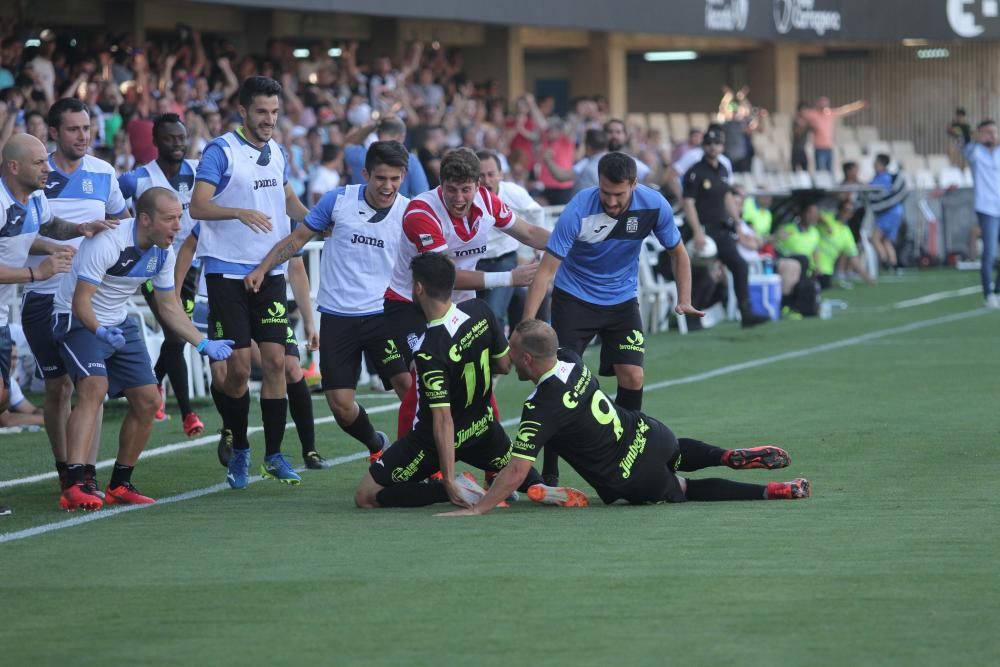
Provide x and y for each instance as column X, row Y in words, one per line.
column 151, row 265
column 87, row 186
column 182, row 188
column 632, row 225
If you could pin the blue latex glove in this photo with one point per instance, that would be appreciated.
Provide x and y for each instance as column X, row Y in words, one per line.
column 216, row 350
column 111, row 335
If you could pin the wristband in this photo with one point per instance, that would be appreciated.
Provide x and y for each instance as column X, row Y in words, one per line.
column 494, row 279
column 32, row 274
column 201, row 346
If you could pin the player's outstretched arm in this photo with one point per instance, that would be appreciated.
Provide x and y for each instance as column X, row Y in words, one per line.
column 172, row 316
column 294, row 207
column 530, row 235
column 185, row 256
column 203, row 208
column 540, row 285
column 83, row 295
column 282, row 251
column 509, row 479
column 681, row 264
column 299, row 281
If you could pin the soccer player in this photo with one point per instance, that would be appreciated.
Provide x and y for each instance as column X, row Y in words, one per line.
column 80, row 188
column 244, row 200
column 455, row 218
column 594, row 256
column 455, row 359
column 365, row 225
column 624, row 454
column 170, row 170
column 102, row 348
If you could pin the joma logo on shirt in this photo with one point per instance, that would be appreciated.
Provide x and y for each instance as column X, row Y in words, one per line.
column 481, row 250
column 367, row 240
column 265, row 183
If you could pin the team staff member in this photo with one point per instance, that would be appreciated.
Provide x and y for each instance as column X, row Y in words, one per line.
column 170, row 170
column 244, row 200
column 25, row 214
column 624, row 454
column 80, row 188
column 103, row 349
column 502, row 249
column 455, row 359
column 365, row 225
column 709, row 208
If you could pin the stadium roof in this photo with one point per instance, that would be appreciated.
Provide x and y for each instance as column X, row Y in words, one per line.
column 826, row 20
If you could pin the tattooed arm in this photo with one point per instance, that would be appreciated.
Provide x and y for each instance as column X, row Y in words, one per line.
column 282, row 251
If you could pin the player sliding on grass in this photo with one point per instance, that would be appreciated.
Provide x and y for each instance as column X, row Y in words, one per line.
column 455, row 358
column 101, row 347
column 624, row 455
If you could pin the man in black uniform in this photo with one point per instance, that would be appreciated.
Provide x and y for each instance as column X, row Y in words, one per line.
column 455, row 358
column 709, row 208
column 624, row 454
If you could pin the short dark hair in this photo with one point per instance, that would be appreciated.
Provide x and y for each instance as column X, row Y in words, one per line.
column 595, row 139
column 64, row 106
column 31, row 114
column 850, row 164
column 960, row 111
column 391, row 126
column 436, row 273
column 147, row 202
column 617, row 168
column 459, row 165
column 330, row 153
column 883, row 159
column 256, row 86
column 489, row 155
column 612, row 121
column 165, row 119
column 985, row 123
column 391, row 153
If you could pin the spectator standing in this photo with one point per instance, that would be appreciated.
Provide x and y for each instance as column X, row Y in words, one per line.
column 984, row 158
column 888, row 209
column 821, row 119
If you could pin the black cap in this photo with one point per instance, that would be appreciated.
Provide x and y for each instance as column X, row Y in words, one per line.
column 714, row 135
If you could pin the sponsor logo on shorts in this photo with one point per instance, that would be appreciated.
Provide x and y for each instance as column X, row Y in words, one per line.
column 95, row 364
column 218, row 329
column 265, row 183
column 276, row 314
column 404, row 473
column 367, row 240
column 391, row 352
column 189, row 307
column 634, row 342
column 290, row 337
column 637, row 447
column 475, row 429
column 501, row 461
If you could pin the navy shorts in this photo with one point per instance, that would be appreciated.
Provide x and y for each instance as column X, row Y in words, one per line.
column 84, row 355
column 5, row 350
column 36, row 319
column 343, row 339
column 576, row 323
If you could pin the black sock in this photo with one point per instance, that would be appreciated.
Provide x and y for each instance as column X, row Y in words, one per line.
column 89, row 471
column 361, row 429
column 630, row 399
column 550, row 467
column 172, row 359
column 696, row 455
column 412, row 494
column 300, row 406
column 274, row 416
column 120, row 475
column 61, row 471
column 238, row 420
column 220, row 404
column 75, row 473
column 723, row 489
column 534, row 477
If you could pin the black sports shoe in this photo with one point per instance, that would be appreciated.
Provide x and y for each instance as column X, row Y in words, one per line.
column 90, row 486
column 225, row 447
column 314, row 461
column 6, row 511
column 768, row 457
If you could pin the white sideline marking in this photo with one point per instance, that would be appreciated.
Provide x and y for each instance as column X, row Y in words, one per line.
column 725, row 370
column 936, row 296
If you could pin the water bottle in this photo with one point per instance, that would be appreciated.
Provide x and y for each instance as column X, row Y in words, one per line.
column 825, row 309
column 767, row 265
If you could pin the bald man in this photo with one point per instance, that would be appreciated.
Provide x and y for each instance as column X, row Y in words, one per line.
column 102, row 348
column 26, row 214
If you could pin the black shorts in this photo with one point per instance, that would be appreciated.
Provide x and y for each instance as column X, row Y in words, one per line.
column 414, row 457
column 620, row 327
column 238, row 315
column 343, row 339
column 652, row 477
column 406, row 324
column 188, row 289
column 291, row 344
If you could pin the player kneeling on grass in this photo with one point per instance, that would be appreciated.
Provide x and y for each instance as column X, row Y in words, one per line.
column 455, row 358
column 624, row 454
column 103, row 349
